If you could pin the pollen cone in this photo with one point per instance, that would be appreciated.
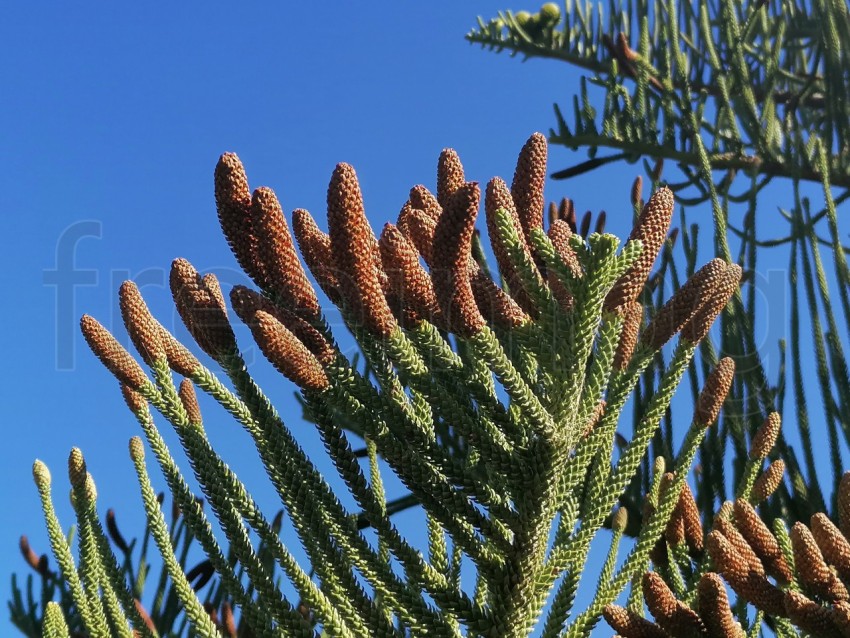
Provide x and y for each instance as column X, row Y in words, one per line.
column 287, row 354
column 355, row 250
column 450, row 268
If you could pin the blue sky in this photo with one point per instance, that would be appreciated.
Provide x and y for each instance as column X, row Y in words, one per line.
column 114, row 118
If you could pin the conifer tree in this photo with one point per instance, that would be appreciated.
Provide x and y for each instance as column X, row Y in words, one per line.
column 496, row 392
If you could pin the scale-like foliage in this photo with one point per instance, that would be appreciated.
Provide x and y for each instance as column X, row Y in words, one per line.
column 741, row 97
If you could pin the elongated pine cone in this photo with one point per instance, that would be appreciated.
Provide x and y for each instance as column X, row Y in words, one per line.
column 450, row 268
column 233, row 201
column 630, row 625
column 714, row 608
column 315, row 246
column 498, row 197
column 684, row 303
column 144, row 330
column 700, row 323
column 287, row 353
column 768, row 481
column 112, row 354
column 355, row 251
column 283, row 272
column 527, row 185
column 449, row 176
column 670, row 614
column 714, row 392
column 651, row 229
column 201, row 306
column 410, row 282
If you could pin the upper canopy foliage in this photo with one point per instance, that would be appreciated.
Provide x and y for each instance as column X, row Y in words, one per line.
column 764, row 83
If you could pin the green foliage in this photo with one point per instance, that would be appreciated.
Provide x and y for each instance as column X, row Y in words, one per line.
column 742, row 97
column 490, row 429
column 738, row 95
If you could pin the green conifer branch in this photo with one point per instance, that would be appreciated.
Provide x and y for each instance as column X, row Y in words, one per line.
column 83, row 498
column 93, row 623
column 260, row 618
column 201, row 622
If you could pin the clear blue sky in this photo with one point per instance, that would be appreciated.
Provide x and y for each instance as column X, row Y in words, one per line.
column 114, row 117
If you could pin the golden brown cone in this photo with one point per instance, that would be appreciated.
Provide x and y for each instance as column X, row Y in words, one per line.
column 673, row 616
column 180, row 359
column 143, row 329
column 404, row 313
column 833, row 544
column 762, row 540
column 742, row 548
column 287, row 354
column 450, row 268
column 563, row 296
column 699, row 325
column 567, row 212
column 527, row 185
column 135, row 401
column 493, row 302
column 629, row 625
column 355, row 250
column 750, row 585
column 841, row 617
column 659, row 554
column 812, row 570
column 632, row 320
column 809, row 615
column 714, row 392
column 283, row 271
column 209, row 282
column 112, row 354
column 449, row 175
column 844, row 504
column 683, row 304
column 420, row 229
column 559, row 234
column 233, row 201
column 765, row 437
column 201, row 306
column 410, row 282
column 768, row 481
column 687, row 510
column 403, row 219
column 496, row 197
column 190, row 401
column 246, row 302
column 651, row 230
column 714, row 608
column 422, row 199
column 316, row 248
